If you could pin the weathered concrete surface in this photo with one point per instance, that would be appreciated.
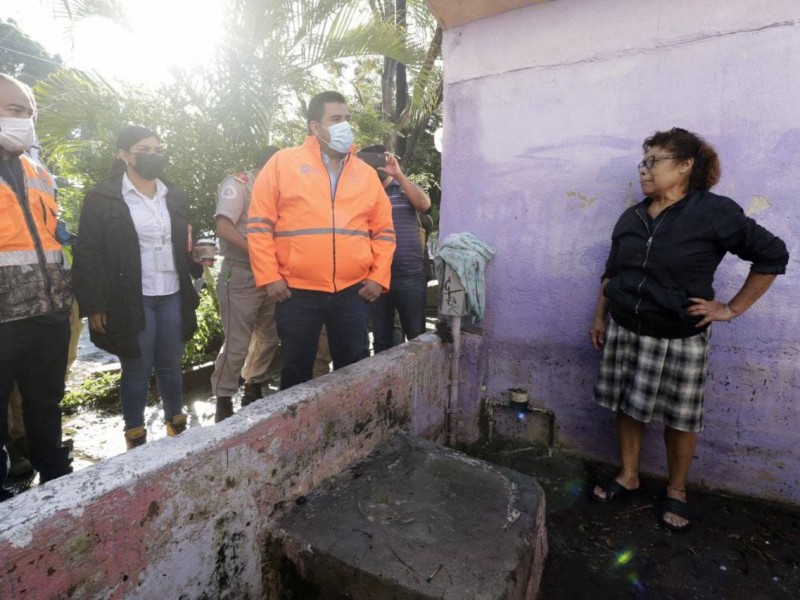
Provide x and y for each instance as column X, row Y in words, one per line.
column 542, row 134
column 187, row 517
column 414, row 521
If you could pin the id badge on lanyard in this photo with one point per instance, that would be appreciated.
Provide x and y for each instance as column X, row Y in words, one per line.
column 163, row 250
column 164, row 258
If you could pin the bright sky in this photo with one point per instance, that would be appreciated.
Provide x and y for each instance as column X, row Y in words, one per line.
column 164, row 33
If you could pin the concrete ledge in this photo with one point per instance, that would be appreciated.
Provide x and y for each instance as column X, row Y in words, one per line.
column 187, row 517
column 414, row 521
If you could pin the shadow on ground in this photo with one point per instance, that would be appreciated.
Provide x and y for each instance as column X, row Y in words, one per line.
column 736, row 548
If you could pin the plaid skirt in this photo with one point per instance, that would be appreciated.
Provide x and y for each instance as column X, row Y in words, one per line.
column 654, row 378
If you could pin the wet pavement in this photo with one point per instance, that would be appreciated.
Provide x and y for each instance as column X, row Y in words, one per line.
column 99, row 434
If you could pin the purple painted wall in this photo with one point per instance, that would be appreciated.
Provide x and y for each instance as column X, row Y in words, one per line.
column 542, row 133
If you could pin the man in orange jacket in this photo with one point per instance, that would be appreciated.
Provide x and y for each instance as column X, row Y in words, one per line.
column 35, row 291
column 321, row 240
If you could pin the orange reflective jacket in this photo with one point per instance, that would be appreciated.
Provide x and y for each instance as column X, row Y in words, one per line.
column 34, row 279
column 315, row 237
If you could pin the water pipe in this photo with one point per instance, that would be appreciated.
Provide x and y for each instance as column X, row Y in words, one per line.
column 452, row 399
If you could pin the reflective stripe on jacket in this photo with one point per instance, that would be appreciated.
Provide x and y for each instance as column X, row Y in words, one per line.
column 34, row 277
column 315, row 237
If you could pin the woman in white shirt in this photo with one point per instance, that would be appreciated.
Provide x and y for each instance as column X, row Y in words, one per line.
column 132, row 275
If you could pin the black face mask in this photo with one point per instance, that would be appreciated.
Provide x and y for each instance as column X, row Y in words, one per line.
column 149, row 166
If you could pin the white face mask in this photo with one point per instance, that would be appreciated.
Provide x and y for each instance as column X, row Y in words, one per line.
column 16, row 134
column 341, row 137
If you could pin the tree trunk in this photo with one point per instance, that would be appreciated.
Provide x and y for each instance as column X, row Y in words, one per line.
column 401, row 91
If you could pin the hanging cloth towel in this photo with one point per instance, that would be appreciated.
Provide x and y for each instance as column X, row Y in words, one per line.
column 467, row 256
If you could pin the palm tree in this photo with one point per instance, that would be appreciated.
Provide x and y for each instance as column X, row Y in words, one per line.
column 264, row 66
column 74, row 11
column 410, row 114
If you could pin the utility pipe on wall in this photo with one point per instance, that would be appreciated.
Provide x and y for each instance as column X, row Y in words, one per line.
column 452, row 400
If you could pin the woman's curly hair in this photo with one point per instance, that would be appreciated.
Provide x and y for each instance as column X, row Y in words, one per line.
column 684, row 145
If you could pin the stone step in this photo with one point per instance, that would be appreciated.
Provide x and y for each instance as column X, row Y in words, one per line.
column 414, row 520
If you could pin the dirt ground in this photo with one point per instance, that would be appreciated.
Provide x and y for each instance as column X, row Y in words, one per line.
column 737, row 548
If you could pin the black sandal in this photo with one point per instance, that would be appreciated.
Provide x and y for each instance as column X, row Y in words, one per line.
column 676, row 507
column 613, row 489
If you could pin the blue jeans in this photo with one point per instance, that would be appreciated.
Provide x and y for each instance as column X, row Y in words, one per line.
column 33, row 352
column 300, row 320
column 407, row 296
column 160, row 348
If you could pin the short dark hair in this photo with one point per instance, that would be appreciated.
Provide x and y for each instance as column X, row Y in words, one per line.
column 262, row 155
column 316, row 106
column 684, row 145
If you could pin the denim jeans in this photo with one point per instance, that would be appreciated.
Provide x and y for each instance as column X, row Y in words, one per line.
column 300, row 320
column 407, row 296
column 33, row 352
column 160, row 348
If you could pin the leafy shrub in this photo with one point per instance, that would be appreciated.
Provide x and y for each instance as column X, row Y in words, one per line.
column 101, row 390
column 209, row 336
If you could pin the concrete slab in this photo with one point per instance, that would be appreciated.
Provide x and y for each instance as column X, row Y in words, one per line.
column 414, row 520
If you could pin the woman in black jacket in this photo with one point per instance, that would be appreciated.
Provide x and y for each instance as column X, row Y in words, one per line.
column 132, row 276
column 658, row 289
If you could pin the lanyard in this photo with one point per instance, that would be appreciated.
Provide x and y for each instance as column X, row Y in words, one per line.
column 156, row 213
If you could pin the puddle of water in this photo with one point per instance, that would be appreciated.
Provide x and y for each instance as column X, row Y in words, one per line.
column 99, row 434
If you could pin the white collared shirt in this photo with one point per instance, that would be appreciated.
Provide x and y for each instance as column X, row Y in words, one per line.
column 154, row 229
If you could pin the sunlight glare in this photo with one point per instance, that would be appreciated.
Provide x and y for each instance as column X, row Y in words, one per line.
column 164, row 34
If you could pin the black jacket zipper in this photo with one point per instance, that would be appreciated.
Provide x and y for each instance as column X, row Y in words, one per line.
column 650, row 237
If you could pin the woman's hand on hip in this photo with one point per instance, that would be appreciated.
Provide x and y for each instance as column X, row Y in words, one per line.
column 597, row 332
column 98, row 322
column 709, row 310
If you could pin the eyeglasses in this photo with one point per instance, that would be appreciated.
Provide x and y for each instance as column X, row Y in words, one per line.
column 650, row 161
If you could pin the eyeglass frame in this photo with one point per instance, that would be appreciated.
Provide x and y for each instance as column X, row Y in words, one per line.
column 652, row 160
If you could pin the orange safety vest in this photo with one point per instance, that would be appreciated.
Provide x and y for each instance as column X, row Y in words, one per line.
column 34, row 279
column 315, row 237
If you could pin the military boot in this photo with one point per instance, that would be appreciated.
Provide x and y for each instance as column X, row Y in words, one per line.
column 135, row 436
column 252, row 392
column 224, row 408
column 20, row 465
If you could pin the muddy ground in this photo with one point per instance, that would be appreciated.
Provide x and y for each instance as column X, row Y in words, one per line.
column 737, row 548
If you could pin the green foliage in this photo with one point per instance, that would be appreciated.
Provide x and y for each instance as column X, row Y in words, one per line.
column 214, row 119
column 22, row 57
column 81, row 116
column 209, row 336
column 101, row 390
column 361, row 83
